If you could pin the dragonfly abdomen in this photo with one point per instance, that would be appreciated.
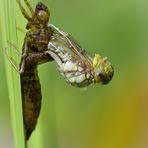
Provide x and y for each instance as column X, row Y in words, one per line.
column 31, row 99
column 72, row 70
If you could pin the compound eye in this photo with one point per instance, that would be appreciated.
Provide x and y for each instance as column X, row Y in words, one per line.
column 110, row 76
column 102, row 76
column 98, row 73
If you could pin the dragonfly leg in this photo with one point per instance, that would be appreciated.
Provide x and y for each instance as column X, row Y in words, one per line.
column 29, row 7
column 15, row 49
column 23, row 10
column 12, row 62
column 24, row 56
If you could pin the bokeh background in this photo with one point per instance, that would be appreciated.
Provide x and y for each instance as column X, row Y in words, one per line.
column 109, row 116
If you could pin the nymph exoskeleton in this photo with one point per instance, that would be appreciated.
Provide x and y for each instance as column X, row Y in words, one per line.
column 33, row 53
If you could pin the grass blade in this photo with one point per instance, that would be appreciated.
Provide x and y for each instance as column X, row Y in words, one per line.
column 8, row 28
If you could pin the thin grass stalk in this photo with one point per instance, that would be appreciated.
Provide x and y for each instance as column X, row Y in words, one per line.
column 8, row 28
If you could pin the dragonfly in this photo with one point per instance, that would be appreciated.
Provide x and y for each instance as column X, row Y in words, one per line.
column 44, row 42
column 77, row 66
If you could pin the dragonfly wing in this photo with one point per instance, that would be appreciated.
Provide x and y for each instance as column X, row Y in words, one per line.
column 66, row 44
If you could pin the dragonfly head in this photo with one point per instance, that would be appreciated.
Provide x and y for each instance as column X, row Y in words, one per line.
column 103, row 70
column 42, row 13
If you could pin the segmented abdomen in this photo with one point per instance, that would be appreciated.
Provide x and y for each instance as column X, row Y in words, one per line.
column 31, row 99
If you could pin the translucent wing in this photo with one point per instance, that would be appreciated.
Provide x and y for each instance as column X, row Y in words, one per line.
column 66, row 44
column 74, row 63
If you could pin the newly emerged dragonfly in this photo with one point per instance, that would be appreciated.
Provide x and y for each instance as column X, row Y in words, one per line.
column 44, row 42
column 74, row 63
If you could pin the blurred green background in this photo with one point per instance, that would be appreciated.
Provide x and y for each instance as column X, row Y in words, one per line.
column 109, row 116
